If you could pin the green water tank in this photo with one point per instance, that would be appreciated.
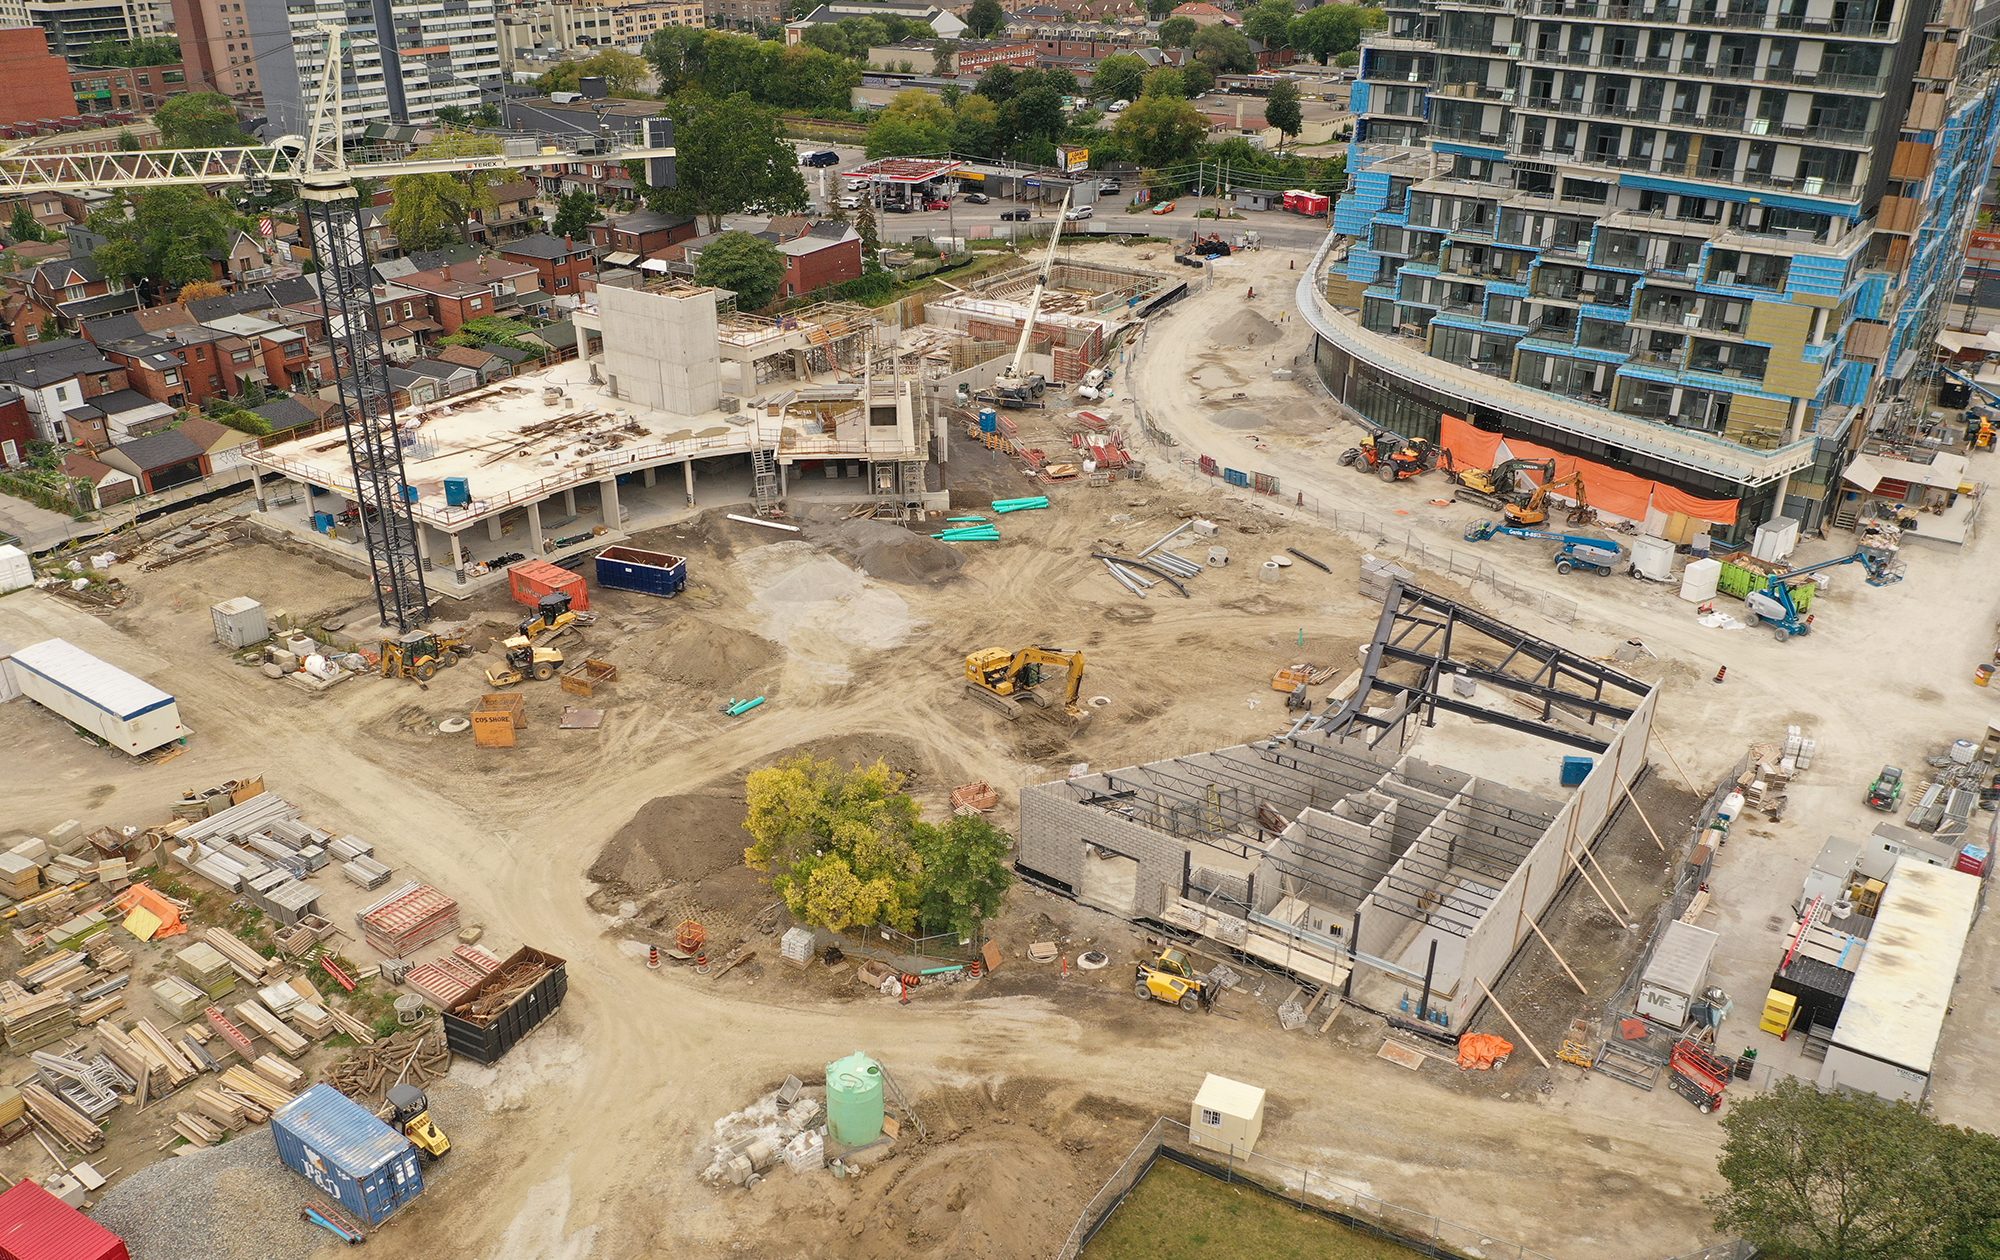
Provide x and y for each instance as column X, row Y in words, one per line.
column 854, row 1100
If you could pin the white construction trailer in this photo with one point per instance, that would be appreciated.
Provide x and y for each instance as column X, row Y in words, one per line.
column 126, row 712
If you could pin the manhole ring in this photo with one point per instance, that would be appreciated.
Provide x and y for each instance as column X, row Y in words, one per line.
column 1092, row 960
column 454, row 726
column 1099, row 702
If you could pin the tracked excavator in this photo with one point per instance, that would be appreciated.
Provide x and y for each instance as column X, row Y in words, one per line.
column 1007, row 680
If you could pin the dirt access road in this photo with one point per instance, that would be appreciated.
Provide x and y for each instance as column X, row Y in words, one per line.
column 1042, row 1089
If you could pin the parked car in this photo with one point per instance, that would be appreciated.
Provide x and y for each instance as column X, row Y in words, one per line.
column 824, row 157
column 850, row 202
column 900, row 207
column 1013, row 216
column 1165, row 207
column 1118, row 107
column 1110, row 186
column 977, row 199
column 1076, row 212
column 938, row 203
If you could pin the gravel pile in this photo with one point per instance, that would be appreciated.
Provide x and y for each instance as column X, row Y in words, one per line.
column 229, row 1202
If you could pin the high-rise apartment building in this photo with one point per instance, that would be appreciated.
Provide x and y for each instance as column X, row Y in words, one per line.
column 1704, row 241
column 406, row 59
column 74, row 25
column 216, row 47
column 527, row 29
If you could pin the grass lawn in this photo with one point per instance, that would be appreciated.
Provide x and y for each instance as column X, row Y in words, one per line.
column 1177, row 1213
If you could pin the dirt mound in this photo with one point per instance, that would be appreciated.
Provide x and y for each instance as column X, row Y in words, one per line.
column 890, row 552
column 699, row 653
column 675, row 840
column 974, row 1199
column 866, row 748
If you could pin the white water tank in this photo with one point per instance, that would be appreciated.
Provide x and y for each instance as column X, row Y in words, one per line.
column 1653, row 558
column 1700, row 580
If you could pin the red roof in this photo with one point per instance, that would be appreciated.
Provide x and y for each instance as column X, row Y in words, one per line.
column 35, row 1225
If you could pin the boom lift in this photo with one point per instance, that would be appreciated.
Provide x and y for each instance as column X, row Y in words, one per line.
column 1578, row 551
column 1775, row 608
column 330, row 213
column 1534, row 511
column 1018, row 387
column 1005, row 679
column 1500, row 485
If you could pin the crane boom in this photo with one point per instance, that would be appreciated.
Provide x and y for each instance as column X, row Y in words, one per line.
column 1017, row 387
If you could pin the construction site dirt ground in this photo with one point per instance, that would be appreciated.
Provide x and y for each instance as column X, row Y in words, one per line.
column 1033, row 1086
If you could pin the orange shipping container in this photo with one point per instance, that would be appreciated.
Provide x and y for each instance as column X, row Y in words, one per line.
column 532, row 579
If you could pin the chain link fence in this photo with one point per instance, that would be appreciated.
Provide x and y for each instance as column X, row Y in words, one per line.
column 1423, row 1233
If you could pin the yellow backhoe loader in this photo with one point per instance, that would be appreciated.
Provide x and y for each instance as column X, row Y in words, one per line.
column 420, row 654
column 1005, row 680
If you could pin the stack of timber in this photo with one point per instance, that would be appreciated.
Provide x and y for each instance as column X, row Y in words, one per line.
column 206, row 969
column 56, row 1118
column 273, row 1029
column 245, row 961
column 32, row 1020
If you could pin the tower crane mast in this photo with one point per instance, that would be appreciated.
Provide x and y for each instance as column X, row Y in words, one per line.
column 318, row 163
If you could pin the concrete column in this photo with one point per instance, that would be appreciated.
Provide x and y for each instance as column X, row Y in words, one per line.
column 535, row 530
column 457, row 559
column 423, row 544
column 569, row 501
column 493, row 527
column 688, row 468
column 647, row 477
column 607, row 500
column 781, row 480
column 1778, row 503
column 257, row 488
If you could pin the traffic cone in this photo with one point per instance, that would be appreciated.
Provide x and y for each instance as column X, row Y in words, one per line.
column 653, row 957
column 701, row 960
column 1065, row 966
column 1721, row 672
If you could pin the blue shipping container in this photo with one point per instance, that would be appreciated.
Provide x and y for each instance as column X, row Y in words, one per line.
column 349, row 1155
column 648, row 572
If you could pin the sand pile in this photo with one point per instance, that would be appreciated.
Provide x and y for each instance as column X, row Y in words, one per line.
column 823, row 612
column 890, row 552
column 698, row 653
column 674, row 839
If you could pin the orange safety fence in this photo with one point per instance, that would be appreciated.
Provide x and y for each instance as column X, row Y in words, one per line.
column 1479, row 1051
column 1609, row 489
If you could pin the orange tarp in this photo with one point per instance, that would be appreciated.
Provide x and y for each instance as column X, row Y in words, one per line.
column 1479, row 1051
column 142, row 897
column 1610, row 489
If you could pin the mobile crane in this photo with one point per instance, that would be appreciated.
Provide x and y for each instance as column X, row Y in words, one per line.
column 1016, row 386
column 1578, row 551
column 1774, row 605
column 330, row 212
column 1004, row 679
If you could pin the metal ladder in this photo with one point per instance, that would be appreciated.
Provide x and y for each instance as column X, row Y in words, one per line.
column 764, row 490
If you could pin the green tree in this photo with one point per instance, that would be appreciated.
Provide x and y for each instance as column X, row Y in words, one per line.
column 1270, row 22
column 431, row 210
column 748, row 266
column 1282, row 110
column 828, row 37
column 1036, row 114
column 575, row 212
column 1347, row 60
column 941, row 55
column 1850, row 1176
column 1224, row 49
column 624, row 73
column 679, row 55
column 965, row 875
column 486, row 116
column 128, row 143
column 810, row 79
column 24, row 226
column 1165, row 81
column 729, row 158
column 162, row 51
column 985, row 19
column 160, row 239
column 455, row 115
column 1119, row 77
column 975, row 126
column 999, row 84
column 1178, row 32
column 1198, row 78
column 1331, row 30
column 864, row 223
column 838, row 844
column 198, row 120
column 1160, row 131
column 1159, row 9
column 913, row 122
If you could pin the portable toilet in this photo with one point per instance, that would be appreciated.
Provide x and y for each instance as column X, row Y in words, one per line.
column 16, row 571
column 854, row 1100
column 1227, row 1116
column 457, row 492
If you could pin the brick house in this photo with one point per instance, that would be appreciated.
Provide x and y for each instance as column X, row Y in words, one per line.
column 186, row 367
column 561, row 265
column 160, row 461
column 54, row 377
column 22, row 314
column 624, row 239
column 105, row 89
column 17, row 429
column 827, row 254
column 513, row 213
column 104, row 485
column 473, row 290
column 69, row 280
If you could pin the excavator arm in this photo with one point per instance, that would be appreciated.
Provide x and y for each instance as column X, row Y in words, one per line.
column 1059, row 659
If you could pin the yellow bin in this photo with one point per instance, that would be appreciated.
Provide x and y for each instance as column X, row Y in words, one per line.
column 1982, row 676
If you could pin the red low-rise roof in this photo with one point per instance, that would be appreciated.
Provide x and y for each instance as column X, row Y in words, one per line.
column 35, row 1225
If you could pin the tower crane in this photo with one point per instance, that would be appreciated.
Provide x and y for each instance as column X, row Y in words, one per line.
column 318, row 163
column 1017, row 387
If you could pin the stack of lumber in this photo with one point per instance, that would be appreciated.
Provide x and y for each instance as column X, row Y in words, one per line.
column 408, row 919
column 147, row 1055
column 206, row 969
column 59, row 1120
column 272, row 1029
column 88, row 1013
column 279, row 1072
column 312, row 1019
column 58, row 972
column 252, row 1088
column 363, row 1035
column 20, row 877
column 106, row 956
column 182, row 1000
column 34, row 1020
column 246, row 962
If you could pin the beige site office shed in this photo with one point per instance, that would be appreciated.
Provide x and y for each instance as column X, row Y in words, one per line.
column 1227, row 1116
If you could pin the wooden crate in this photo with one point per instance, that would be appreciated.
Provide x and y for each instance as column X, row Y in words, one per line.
column 508, row 702
column 493, row 728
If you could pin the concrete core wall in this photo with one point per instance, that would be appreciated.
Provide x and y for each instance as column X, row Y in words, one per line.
column 660, row 347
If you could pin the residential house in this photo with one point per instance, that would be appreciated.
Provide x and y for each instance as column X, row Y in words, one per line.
column 1270, row 56
column 827, row 254
column 487, row 367
column 474, row 290
column 623, row 239
column 451, row 379
column 126, row 414
column 561, row 264
column 1204, row 14
column 160, row 461
column 55, row 376
column 967, row 58
column 186, row 366
column 609, row 182
column 76, row 290
column 47, row 207
column 103, row 485
column 518, row 361
column 513, row 213
column 17, row 428
column 943, row 22
column 410, row 387
column 245, row 261
column 225, row 447
column 559, row 337
column 300, row 411
column 22, row 313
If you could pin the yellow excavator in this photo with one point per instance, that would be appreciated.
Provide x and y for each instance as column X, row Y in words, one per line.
column 1006, row 679
column 524, row 660
column 1500, row 485
column 1171, row 978
column 410, row 1109
column 1535, row 511
column 420, row 654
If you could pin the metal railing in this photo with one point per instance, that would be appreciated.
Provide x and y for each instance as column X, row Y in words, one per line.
column 1423, row 1232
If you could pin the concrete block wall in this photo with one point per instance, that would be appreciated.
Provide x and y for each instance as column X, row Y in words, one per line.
column 1055, row 827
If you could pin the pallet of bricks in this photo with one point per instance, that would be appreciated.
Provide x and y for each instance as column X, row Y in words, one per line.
column 407, row 919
